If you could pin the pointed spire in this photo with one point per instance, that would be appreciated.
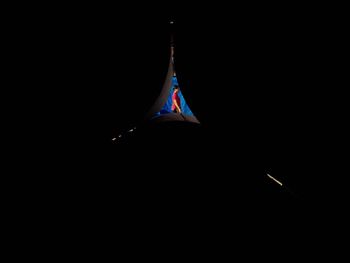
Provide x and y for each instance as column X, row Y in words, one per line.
column 172, row 42
column 162, row 108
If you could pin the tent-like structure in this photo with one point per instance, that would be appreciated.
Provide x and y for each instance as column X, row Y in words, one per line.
column 162, row 108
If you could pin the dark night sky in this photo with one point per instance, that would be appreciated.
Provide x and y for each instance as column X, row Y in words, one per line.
column 255, row 76
column 246, row 76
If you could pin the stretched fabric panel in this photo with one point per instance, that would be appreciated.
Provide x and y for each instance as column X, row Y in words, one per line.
column 167, row 107
column 163, row 105
column 174, row 117
column 164, row 94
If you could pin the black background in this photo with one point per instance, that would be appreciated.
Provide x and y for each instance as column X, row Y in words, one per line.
column 257, row 77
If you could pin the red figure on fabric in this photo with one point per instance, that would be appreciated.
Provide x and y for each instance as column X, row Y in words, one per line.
column 176, row 102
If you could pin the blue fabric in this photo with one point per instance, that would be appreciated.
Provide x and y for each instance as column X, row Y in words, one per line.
column 167, row 106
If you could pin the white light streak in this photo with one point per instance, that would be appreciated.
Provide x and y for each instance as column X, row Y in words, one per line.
column 275, row 180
